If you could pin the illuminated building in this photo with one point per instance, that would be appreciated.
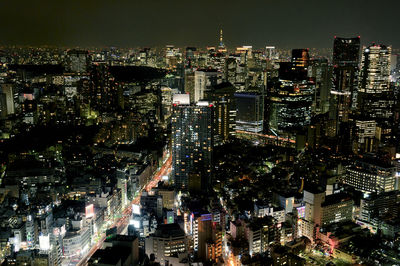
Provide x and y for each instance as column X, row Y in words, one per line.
column 77, row 61
column 76, row 242
column 377, row 205
column 221, row 45
column 222, row 97
column 204, row 79
column 290, row 106
column 167, row 242
column 270, row 53
column 260, row 233
column 320, row 72
column 376, row 96
column 249, row 112
column 364, row 135
column 336, row 208
column 300, row 58
column 375, row 69
column 290, row 98
column 192, row 141
column 189, row 83
column 344, row 78
column 230, row 70
column 371, row 175
column 322, row 210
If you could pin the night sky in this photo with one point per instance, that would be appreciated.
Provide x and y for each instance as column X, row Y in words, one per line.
column 284, row 23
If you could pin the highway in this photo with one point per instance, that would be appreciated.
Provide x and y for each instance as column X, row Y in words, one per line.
column 122, row 223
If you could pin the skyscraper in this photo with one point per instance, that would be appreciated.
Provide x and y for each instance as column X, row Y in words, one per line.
column 344, row 78
column 8, row 90
column 376, row 97
column 222, row 97
column 249, row 112
column 203, row 80
column 375, row 69
column 192, row 142
column 300, row 57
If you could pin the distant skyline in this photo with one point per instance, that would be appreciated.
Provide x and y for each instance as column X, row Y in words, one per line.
column 131, row 23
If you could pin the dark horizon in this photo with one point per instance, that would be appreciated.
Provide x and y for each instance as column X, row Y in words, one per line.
column 307, row 23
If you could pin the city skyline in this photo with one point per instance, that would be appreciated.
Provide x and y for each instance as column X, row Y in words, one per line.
column 199, row 133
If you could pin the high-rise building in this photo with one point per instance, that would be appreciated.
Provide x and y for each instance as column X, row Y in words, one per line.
column 8, row 90
column 192, row 141
column 375, row 69
column 371, row 174
column 249, row 112
column 300, row 58
column 290, row 105
column 376, row 97
column 344, row 78
column 377, row 205
column 222, row 97
column 320, row 72
column 204, row 79
column 167, row 242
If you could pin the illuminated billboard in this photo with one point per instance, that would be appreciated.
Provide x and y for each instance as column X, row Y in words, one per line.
column 44, row 242
column 136, row 209
column 89, row 211
column 135, row 222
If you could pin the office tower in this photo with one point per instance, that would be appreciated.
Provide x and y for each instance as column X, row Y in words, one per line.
column 222, row 97
column 376, row 96
column 375, row 69
column 168, row 243
column 249, row 112
column 377, row 205
column 320, row 72
column 8, row 90
column 300, row 58
column 364, row 133
column 336, row 208
column 230, row 70
column 344, row 78
column 192, row 141
column 189, row 83
column 371, row 174
column 77, row 61
column 290, row 104
column 203, row 80
column 374, row 84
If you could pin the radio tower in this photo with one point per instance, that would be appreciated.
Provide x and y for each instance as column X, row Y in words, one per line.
column 221, row 47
